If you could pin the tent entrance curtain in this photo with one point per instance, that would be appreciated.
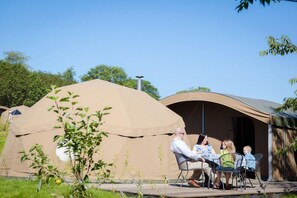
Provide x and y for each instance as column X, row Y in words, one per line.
column 244, row 132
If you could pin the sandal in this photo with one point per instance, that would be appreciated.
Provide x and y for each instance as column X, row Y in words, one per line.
column 216, row 186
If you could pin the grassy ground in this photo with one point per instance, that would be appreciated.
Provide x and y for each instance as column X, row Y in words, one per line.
column 27, row 188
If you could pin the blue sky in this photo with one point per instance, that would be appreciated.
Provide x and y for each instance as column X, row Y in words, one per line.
column 174, row 44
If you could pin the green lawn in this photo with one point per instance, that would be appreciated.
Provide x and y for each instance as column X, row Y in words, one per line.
column 27, row 188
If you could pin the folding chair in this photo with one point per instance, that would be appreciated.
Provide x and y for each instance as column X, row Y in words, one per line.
column 258, row 158
column 183, row 163
column 234, row 171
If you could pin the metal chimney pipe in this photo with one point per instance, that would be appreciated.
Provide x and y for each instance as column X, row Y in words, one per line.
column 139, row 84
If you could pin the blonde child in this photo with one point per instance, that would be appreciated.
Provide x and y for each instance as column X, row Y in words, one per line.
column 249, row 162
column 227, row 163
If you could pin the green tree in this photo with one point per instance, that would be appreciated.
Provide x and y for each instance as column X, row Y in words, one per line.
column 14, row 84
column 118, row 76
column 55, row 79
column 14, row 57
column 282, row 46
column 112, row 74
column 68, row 76
column 35, row 89
column 21, row 86
column 205, row 89
column 146, row 87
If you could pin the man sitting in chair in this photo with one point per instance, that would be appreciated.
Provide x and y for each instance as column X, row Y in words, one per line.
column 179, row 146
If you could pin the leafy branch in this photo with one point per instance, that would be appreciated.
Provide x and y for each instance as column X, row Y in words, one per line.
column 280, row 46
column 40, row 161
column 244, row 4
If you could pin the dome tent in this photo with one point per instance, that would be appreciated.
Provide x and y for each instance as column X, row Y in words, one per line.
column 139, row 129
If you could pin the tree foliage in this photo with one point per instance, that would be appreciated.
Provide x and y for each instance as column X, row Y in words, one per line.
column 68, row 76
column 290, row 102
column 14, row 57
column 205, row 89
column 21, row 86
column 282, row 46
column 118, row 76
column 244, row 4
column 40, row 161
column 15, row 80
column 112, row 74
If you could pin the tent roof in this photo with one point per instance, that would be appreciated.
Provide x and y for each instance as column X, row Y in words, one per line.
column 263, row 105
column 262, row 110
column 3, row 107
column 134, row 113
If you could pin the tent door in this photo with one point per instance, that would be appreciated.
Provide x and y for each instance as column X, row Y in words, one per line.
column 244, row 133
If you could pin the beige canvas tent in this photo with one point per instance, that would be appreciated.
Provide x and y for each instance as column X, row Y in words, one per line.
column 3, row 109
column 13, row 113
column 246, row 121
column 139, row 130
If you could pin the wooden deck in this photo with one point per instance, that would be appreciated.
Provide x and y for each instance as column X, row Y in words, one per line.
column 270, row 189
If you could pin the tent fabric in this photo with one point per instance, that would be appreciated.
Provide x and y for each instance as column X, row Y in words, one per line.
column 15, row 112
column 261, row 110
column 139, row 129
column 133, row 112
column 144, row 158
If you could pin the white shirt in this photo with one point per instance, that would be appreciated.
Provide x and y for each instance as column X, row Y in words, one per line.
column 179, row 146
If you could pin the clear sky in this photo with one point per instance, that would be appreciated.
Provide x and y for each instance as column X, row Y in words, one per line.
column 174, row 44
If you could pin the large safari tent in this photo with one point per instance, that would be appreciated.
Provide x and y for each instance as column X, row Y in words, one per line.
column 245, row 121
column 139, row 132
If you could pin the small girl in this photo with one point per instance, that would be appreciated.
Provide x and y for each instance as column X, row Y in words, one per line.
column 228, row 158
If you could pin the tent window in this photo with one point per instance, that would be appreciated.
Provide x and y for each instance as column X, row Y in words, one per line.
column 16, row 112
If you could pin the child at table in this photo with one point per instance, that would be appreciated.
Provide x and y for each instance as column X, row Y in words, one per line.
column 227, row 163
column 249, row 160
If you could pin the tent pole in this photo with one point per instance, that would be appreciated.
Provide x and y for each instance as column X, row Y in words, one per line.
column 284, row 155
column 270, row 150
column 202, row 120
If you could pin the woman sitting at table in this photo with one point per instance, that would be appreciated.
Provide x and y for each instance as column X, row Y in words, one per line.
column 204, row 148
column 207, row 152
